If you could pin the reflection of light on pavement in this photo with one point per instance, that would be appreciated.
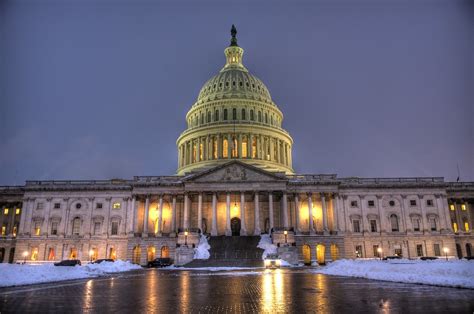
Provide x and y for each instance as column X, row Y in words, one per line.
column 272, row 291
column 88, row 295
column 184, row 291
column 152, row 295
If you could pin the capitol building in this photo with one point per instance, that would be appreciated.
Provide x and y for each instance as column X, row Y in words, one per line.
column 235, row 179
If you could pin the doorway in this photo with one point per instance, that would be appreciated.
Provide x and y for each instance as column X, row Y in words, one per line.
column 235, row 226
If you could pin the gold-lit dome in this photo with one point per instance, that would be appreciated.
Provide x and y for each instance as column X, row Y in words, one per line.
column 234, row 117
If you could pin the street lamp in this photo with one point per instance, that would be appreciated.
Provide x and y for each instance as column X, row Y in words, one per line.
column 186, row 238
column 446, row 250
column 286, row 236
column 25, row 254
column 91, row 253
column 379, row 250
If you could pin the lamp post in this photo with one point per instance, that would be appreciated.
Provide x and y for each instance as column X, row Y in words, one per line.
column 446, row 250
column 379, row 250
column 25, row 254
column 286, row 236
column 186, row 238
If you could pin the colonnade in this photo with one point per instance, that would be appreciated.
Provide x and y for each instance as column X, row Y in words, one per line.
column 230, row 145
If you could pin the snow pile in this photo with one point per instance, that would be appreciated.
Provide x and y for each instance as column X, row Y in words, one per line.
column 453, row 273
column 17, row 274
column 266, row 244
column 202, row 250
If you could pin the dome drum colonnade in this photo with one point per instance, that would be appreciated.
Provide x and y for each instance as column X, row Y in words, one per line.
column 234, row 117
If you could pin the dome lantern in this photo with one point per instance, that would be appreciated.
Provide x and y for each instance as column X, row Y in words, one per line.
column 233, row 53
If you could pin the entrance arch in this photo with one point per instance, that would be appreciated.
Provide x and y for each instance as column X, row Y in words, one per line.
column 468, row 249
column 165, row 251
column 459, row 250
column 2, row 254
column 320, row 251
column 334, row 252
column 136, row 254
column 307, row 254
column 235, row 226
column 150, row 253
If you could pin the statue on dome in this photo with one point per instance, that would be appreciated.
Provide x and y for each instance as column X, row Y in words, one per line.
column 233, row 32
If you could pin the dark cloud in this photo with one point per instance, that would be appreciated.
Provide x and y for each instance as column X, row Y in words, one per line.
column 100, row 89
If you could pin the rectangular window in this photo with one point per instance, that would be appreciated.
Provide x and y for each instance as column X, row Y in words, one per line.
column 371, row 203
column 416, row 224
column 116, row 205
column 76, row 226
column 373, row 226
column 356, row 226
column 57, row 205
column 37, row 228
column 54, row 228
column 51, row 254
column 429, row 203
column 398, row 251
column 98, row 205
column 353, row 203
column 376, row 251
column 412, row 202
column 34, row 254
column 39, row 206
column 451, row 206
column 433, row 224
column 96, row 228
column 463, row 206
column 5, row 211
column 114, row 227
column 419, row 249
column 358, row 251
column 436, row 249
column 17, row 211
column 455, row 227
column 15, row 229
column 4, row 229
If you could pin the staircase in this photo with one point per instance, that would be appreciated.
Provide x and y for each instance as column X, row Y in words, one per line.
column 236, row 251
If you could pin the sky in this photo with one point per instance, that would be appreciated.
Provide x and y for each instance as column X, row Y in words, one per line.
column 100, row 89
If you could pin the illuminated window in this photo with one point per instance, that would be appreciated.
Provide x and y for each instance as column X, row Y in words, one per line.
column 37, row 228
column 116, row 205
column 4, row 229
column 466, row 225
column 5, row 211
column 244, row 147
column 73, row 253
column 51, row 254
column 451, row 206
column 463, row 206
column 358, row 251
column 234, row 147
column 225, row 148
column 214, row 148
column 254, row 147
column 112, row 253
column 201, row 151
column 15, row 229
column 194, row 152
column 455, row 227
column 34, row 254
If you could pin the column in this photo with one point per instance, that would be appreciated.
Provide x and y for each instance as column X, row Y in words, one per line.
column 310, row 213
column 250, row 146
column 272, row 149
column 403, row 206
column 270, row 210
column 243, row 229
column 186, row 211
column 145, row 216
column 362, row 214
column 278, row 151
column 24, row 212
column 124, row 224
column 134, row 216
column 257, row 230
column 285, row 210
column 424, row 222
column 206, row 148
column 379, row 207
column 335, row 212
column 228, row 231
column 214, row 215
column 198, row 150
column 325, row 213
column 219, row 146
column 160, row 215
column 230, row 144
column 45, row 226
column 297, row 213
column 173, row 215
column 199, row 224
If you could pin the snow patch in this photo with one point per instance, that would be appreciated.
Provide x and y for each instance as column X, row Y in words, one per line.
column 18, row 274
column 452, row 273
column 267, row 245
column 202, row 250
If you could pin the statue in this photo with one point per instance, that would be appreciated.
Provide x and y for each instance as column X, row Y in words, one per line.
column 233, row 32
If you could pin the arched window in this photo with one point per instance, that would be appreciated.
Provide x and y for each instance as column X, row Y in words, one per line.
column 214, row 148
column 243, row 117
column 394, row 222
column 468, row 249
column 216, row 116
column 208, row 117
column 76, row 226
column 259, row 116
column 150, row 253
column 466, row 224
column 334, row 252
column 244, row 146
column 266, row 118
column 251, row 115
column 165, row 251
column 234, row 147
column 271, row 120
column 225, row 114
column 234, row 114
column 225, row 148
column 136, row 253
column 202, row 118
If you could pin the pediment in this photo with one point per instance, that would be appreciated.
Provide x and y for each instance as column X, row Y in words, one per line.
column 235, row 171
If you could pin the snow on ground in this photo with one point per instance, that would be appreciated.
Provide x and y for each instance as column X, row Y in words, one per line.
column 452, row 273
column 18, row 274
column 202, row 250
column 266, row 244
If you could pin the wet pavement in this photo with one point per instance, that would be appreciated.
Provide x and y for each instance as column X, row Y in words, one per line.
column 244, row 291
